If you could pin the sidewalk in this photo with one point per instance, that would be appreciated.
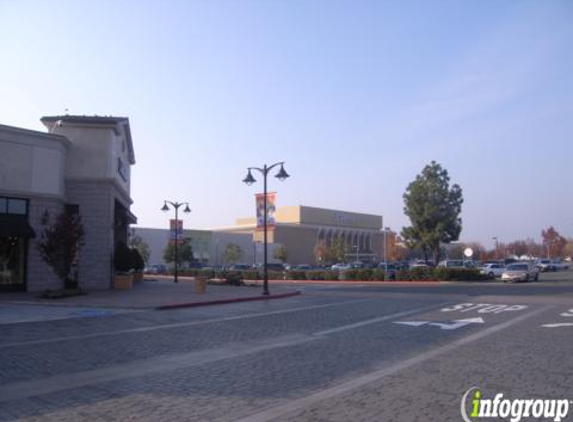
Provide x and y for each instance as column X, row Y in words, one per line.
column 156, row 294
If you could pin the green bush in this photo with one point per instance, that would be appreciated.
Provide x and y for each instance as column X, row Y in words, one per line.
column 416, row 274
column 296, row 275
column 123, row 258
column 251, row 275
column 459, row 274
column 138, row 262
column 234, row 278
column 321, row 275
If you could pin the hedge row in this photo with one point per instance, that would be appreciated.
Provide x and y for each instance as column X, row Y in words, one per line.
column 365, row 274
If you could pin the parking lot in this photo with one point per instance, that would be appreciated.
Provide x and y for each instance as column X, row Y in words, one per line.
column 335, row 353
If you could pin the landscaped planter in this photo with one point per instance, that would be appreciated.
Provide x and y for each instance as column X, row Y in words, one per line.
column 138, row 276
column 123, row 282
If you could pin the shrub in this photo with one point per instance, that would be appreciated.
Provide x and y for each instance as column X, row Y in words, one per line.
column 296, row 275
column 459, row 274
column 321, row 275
column 234, row 278
column 123, row 259
column 138, row 262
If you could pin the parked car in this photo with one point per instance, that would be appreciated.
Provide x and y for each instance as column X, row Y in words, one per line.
column 545, row 265
column 390, row 269
column 239, row 267
column 301, row 267
column 340, row 266
column 492, row 270
column 156, row 269
column 356, row 265
column 520, row 271
column 458, row 263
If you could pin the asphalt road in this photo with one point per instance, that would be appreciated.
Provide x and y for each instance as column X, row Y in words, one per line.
column 352, row 353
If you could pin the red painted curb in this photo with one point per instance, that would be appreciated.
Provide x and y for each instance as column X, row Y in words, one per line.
column 224, row 301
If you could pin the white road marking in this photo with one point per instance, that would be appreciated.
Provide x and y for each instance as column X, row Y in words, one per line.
column 309, row 400
column 375, row 320
column 560, row 324
column 484, row 308
column 458, row 323
column 412, row 323
column 178, row 324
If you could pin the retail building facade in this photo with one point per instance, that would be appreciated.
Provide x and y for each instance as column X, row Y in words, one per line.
column 81, row 165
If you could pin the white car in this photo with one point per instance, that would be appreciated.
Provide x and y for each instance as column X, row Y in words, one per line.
column 339, row 267
column 492, row 270
column 520, row 271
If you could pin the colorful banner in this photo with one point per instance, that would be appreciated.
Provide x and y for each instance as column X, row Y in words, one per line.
column 176, row 233
column 271, row 198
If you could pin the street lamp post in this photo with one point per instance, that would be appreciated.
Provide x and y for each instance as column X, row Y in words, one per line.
column 249, row 180
column 496, row 248
column 187, row 210
column 385, row 255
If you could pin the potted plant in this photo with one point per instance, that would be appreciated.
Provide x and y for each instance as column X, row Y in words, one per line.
column 123, row 262
column 138, row 265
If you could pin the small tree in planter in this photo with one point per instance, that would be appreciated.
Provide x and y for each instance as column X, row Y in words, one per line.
column 138, row 265
column 123, row 262
column 60, row 245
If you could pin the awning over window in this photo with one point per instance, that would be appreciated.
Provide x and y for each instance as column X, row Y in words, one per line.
column 15, row 225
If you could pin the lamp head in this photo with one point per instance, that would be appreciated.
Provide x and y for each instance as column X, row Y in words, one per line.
column 249, row 180
column 282, row 175
column 187, row 209
column 164, row 207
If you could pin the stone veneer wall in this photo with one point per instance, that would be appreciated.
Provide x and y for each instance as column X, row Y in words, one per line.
column 96, row 207
column 40, row 276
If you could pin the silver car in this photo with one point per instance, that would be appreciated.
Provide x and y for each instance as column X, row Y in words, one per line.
column 520, row 271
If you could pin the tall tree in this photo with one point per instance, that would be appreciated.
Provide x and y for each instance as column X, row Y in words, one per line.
column 136, row 242
column 184, row 252
column 337, row 250
column 434, row 210
column 281, row 253
column 320, row 252
column 553, row 241
column 233, row 253
column 60, row 245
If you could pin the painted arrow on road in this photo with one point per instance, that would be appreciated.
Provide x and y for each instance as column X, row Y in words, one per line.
column 458, row 323
column 560, row 324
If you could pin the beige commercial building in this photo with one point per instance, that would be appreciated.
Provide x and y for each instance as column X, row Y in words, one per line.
column 301, row 228
column 81, row 165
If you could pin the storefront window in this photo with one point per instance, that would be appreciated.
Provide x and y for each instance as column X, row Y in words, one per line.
column 12, row 260
column 13, row 206
column 17, row 206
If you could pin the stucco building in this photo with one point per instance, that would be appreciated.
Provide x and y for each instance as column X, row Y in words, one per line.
column 301, row 228
column 81, row 165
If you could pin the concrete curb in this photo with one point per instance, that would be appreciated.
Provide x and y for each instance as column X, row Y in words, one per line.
column 225, row 301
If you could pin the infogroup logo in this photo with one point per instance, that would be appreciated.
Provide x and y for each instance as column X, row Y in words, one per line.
column 515, row 410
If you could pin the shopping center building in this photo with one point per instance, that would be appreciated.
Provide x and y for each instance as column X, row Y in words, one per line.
column 80, row 165
column 300, row 228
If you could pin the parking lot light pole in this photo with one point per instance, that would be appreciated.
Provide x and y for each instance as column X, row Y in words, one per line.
column 496, row 248
column 282, row 175
column 187, row 210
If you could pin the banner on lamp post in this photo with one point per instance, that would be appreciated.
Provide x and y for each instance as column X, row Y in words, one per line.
column 176, row 231
column 271, row 208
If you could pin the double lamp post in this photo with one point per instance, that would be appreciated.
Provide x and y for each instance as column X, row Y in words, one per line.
column 249, row 180
column 187, row 210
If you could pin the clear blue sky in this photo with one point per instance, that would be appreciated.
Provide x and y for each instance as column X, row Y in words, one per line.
column 355, row 96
